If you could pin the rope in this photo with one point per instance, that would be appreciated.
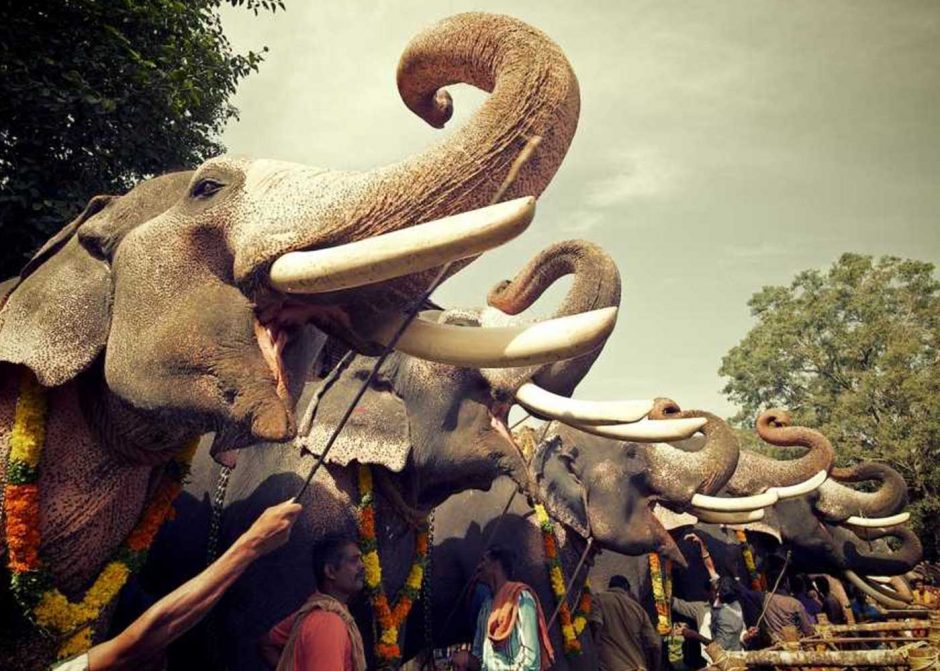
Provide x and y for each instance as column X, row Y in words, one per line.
column 783, row 570
column 926, row 658
column 577, row 570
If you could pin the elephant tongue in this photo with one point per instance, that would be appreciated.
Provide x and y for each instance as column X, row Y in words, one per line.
column 223, row 457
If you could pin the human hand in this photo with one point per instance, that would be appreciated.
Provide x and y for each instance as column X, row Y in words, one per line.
column 272, row 529
column 751, row 633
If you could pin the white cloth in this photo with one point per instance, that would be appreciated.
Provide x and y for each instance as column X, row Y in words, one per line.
column 79, row 663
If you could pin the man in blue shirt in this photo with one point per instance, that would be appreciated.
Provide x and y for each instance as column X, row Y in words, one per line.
column 511, row 632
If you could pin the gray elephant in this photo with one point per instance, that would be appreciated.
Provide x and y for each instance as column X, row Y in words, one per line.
column 179, row 308
column 427, row 430
column 594, row 488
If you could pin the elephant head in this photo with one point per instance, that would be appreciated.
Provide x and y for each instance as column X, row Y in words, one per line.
column 439, row 429
column 195, row 286
column 605, row 489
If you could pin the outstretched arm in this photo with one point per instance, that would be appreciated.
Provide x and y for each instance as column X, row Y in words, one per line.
column 182, row 608
column 706, row 557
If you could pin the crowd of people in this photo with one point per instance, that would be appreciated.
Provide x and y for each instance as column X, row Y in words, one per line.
column 511, row 630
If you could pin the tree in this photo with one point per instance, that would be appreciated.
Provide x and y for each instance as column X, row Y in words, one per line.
column 853, row 352
column 98, row 94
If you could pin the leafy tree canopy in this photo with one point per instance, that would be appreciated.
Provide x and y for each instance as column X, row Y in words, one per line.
column 853, row 352
column 97, row 94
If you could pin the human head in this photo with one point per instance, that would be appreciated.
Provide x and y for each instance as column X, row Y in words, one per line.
column 726, row 589
column 337, row 565
column 918, row 583
column 618, row 582
column 822, row 585
column 498, row 564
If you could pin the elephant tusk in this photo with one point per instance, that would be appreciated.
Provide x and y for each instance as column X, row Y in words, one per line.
column 715, row 517
column 734, row 503
column 884, row 580
column 543, row 402
column 871, row 522
column 875, row 594
column 801, row 488
column 647, row 430
column 502, row 346
column 402, row 252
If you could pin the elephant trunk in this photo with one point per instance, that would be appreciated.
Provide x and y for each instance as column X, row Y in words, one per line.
column 756, row 472
column 596, row 285
column 838, row 502
column 677, row 473
column 859, row 555
column 534, row 93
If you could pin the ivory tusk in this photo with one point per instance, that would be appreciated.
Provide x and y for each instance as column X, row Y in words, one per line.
column 871, row 522
column 884, row 600
column 801, row 488
column 729, row 517
column 502, row 346
column 884, row 580
column 647, row 430
column 734, row 503
column 402, row 252
column 543, row 402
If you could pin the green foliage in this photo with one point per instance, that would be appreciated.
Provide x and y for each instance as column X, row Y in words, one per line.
column 853, row 353
column 97, row 94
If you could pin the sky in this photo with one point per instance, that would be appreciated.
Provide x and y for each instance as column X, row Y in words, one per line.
column 722, row 146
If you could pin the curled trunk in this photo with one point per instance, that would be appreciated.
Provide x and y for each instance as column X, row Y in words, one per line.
column 755, row 472
column 534, row 93
column 596, row 284
column 838, row 502
column 855, row 550
column 678, row 473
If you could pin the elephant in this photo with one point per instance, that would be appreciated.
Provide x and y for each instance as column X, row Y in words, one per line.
column 595, row 489
column 182, row 307
column 426, row 430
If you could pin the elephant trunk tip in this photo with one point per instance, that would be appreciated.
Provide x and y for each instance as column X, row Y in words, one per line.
column 664, row 408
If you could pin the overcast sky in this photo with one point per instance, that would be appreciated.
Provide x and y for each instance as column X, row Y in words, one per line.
column 722, row 146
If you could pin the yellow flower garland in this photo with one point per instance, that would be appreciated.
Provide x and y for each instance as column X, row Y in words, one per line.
column 31, row 583
column 390, row 617
column 571, row 626
column 662, row 592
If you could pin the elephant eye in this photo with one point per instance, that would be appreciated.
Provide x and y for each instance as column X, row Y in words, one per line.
column 205, row 188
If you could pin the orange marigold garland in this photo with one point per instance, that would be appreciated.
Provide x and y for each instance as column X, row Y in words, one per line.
column 571, row 625
column 757, row 579
column 31, row 583
column 662, row 592
column 390, row 617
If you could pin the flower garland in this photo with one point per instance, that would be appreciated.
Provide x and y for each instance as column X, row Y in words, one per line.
column 571, row 625
column 390, row 616
column 662, row 592
column 757, row 579
column 31, row 583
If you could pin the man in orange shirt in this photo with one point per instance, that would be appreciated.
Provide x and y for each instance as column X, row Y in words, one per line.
column 322, row 635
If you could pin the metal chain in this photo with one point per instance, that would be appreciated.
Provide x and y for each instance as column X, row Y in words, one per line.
column 426, row 598
column 215, row 519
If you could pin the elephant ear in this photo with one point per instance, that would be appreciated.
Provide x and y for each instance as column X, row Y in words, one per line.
column 56, row 318
column 376, row 433
column 555, row 468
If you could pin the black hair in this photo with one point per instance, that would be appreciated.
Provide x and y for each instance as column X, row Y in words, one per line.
column 328, row 551
column 618, row 582
column 505, row 557
column 822, row 586
column 727, row 589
